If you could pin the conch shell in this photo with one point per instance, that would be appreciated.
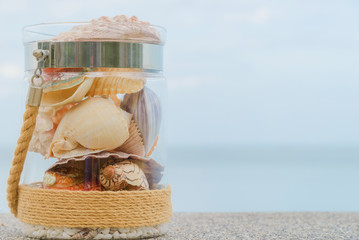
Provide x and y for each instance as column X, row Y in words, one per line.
column 122, row 175
column 146, row 109
column 93, row 125
column 152, row 169
column 113, row 84
column 73, row 91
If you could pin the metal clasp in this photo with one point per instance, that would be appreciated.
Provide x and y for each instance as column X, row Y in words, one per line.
column 35, row 89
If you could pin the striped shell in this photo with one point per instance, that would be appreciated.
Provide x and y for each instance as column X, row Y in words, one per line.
column 93, row 125
column 146, row 109
column 134, row 144
column 116, row 82
column 122, row 175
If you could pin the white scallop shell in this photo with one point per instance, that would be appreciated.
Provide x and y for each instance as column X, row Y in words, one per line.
column 94, row 125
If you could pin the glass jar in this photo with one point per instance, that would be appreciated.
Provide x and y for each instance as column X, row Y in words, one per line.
column 99, row 132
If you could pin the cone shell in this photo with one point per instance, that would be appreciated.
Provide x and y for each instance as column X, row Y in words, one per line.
column 152, row 169
column 122, row 175
column 146, row 109
column 93, row 125
column 73, row 92
column 116, row 84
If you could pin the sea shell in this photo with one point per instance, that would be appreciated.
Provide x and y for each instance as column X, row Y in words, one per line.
column 74, row 92
column 93, row 125
column 60, row 113
column 64, row 177
column 122, row 175
column 46, row 124
column 146, row 109
column 153, row 147
column 115, row 83
column 134, row 144
column 42, row 135
column 152, row 169
column 85, row 233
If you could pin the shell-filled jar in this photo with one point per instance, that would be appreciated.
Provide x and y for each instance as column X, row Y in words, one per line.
column 93, row 135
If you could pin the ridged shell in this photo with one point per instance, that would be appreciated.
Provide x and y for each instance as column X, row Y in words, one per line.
column 114, row 84
column 93, row 125
column 74, row 93
column 134, row 144
column 122, row 175
column 152, row 169
column 146, row 109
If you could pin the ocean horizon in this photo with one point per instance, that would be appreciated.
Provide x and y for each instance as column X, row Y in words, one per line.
column 253, row 178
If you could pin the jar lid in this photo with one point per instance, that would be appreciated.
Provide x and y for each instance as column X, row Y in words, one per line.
column 78, row 54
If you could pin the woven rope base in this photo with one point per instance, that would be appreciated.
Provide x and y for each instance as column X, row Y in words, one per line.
column 97, row 209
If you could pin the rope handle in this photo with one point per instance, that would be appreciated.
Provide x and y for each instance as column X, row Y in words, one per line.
column 28, row 127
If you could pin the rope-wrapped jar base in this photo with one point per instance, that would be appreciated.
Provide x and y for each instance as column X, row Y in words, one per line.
column 94, row 209
column 37, row 231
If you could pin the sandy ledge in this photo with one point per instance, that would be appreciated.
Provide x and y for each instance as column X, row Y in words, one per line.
column 241, row 226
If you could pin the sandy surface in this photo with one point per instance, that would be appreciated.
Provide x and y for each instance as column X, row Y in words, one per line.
column 242, row 226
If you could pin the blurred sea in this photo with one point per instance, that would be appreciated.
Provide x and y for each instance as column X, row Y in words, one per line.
column 254, row 178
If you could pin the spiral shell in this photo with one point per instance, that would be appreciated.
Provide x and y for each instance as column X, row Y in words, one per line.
column 122, row 175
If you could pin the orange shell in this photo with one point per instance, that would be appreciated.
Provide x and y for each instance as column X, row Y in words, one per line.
column 67, row 177
column 129, row 82
column 153, row 147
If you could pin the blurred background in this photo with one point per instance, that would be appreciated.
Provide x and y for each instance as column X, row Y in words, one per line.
column 263, row 97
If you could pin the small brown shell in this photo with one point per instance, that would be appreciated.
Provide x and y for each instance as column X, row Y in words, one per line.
column 122, row 175
column 85, row 233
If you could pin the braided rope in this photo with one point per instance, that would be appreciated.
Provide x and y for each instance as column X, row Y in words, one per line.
column 94, row 209
column 50, row 207
column 29, row 122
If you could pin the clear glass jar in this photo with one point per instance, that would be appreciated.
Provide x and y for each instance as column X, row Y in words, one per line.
column 100, row 125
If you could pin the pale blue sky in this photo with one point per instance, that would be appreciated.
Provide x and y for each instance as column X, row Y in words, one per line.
column 239, row 72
